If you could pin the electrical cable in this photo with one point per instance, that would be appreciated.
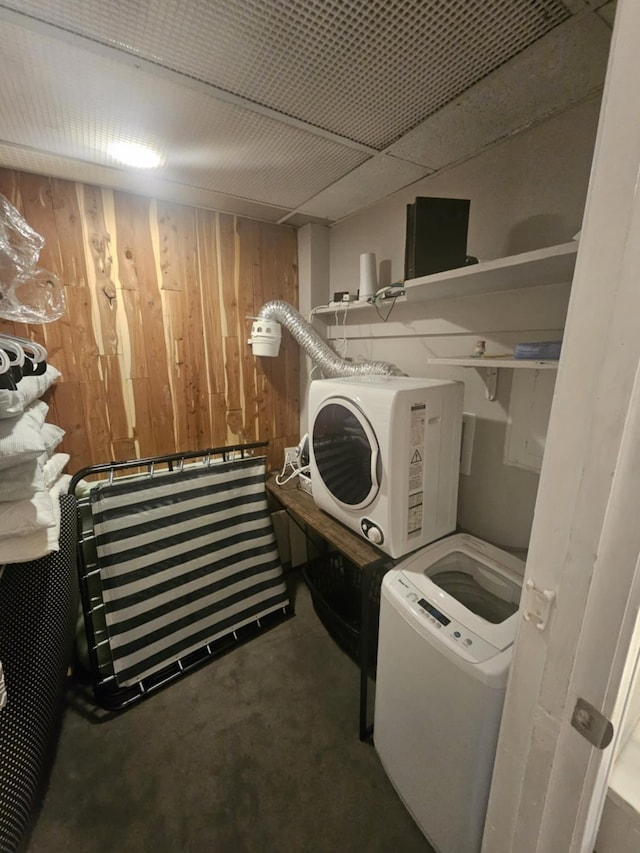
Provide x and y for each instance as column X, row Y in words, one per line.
column 313, row 311
column 384, row 319
column 343, row 342
column 296, row 470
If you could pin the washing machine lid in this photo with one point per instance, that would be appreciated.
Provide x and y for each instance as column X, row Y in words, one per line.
column 345, row 452
column 472, row 582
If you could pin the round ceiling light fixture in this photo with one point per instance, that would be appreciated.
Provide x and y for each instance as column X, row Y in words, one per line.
column 134, row 154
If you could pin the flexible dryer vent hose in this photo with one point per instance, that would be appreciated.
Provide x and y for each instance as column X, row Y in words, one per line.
column 329, row 362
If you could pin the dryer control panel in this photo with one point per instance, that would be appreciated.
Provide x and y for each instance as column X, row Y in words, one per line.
column 448, row 631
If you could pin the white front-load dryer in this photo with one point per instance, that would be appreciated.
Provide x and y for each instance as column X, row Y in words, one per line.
column 448, row 617
column 384, row 455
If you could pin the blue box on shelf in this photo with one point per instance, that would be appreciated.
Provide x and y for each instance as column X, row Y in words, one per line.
column 543, row 350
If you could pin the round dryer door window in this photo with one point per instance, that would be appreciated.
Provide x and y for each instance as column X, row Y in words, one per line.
column 346, row 453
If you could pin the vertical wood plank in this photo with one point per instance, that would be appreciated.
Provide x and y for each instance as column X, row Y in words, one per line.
column 179, row 263
column 144, row 432
column 67, row 410
column 37, row 209
column 176, row 251
column 169, row 264
column 232, row 370
column 100, row 282
column 176, row 329
column 96, row 416
column 235, row 426
column 210, row 294
column 124, row 450
column 67, row 219
column 226, row 231
column 86, row 364
column 279, row 281
column 249, row 274
column 134, row 234
column 10, row 186
column 110, row 368
column 7, row 326
column 219, row 421
column 135, row 343
column 73, row 273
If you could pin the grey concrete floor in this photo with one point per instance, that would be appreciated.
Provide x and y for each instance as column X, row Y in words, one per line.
column 257, row 752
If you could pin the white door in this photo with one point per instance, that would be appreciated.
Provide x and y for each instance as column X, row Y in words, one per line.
column 549, row 782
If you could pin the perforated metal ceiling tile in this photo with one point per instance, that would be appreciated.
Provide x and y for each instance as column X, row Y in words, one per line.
column 143, row 183
column 92, row 100
column 378, row 177
column 566, row 66
column 369, row 70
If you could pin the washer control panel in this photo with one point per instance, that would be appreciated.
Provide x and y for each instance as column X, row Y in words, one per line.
column 452, row 633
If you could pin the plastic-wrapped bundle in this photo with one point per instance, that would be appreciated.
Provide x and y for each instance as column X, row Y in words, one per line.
column 37, row 297
column 20, row 245
column 27, row 294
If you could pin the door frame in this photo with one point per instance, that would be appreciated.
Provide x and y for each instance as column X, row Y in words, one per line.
column 549, row 783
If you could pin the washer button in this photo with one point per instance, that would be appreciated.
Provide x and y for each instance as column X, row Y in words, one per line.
column 468, row 642
column 457, row 634
column 412, row 596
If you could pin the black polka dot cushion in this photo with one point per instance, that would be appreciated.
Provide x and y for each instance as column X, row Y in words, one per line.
column 38, row 606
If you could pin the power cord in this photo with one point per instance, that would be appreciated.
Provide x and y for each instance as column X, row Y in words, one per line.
column 296, row 469
column 388, row 314
column 385, row 294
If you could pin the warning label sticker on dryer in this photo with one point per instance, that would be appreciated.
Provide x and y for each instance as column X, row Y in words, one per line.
column 415, row 471
column 416, row 467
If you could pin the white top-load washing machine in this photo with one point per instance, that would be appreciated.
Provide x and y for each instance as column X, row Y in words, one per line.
column 384, row 455
column 448, row 616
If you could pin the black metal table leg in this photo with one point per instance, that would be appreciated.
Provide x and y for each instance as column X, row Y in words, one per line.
column 372, row 575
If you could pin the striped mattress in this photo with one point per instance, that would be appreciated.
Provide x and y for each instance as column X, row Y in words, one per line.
column 185, row 557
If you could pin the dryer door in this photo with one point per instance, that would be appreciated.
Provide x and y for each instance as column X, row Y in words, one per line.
column 346, row 453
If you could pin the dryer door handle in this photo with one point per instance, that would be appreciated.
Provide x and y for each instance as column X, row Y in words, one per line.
column 375, row 452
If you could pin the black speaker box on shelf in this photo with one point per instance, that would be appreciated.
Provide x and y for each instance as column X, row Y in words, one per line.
column 436, row 235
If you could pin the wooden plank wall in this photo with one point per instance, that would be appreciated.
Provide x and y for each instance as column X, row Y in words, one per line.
column 153, row 347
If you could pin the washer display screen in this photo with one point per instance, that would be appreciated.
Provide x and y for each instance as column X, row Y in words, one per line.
column 432, row 610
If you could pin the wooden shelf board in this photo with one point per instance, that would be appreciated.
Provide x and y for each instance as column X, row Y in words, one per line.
column 553, row 265
column 328, row 311
column 535, row 364
column 303, row 507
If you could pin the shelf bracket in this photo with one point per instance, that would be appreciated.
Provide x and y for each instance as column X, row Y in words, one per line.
column 490, row 380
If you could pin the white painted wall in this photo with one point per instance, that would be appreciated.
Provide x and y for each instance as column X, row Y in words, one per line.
column 526, row 192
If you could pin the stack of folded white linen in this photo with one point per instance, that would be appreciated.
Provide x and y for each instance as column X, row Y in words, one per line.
column 31, row 472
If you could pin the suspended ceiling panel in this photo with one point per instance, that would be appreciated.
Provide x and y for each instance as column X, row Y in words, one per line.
column 93, row 100
column 378, row 177
column 291, row 106
column 138, row 182
column 562, row 68
column 366, row 69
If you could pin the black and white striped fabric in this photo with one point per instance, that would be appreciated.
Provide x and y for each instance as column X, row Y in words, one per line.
column 185, row 558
